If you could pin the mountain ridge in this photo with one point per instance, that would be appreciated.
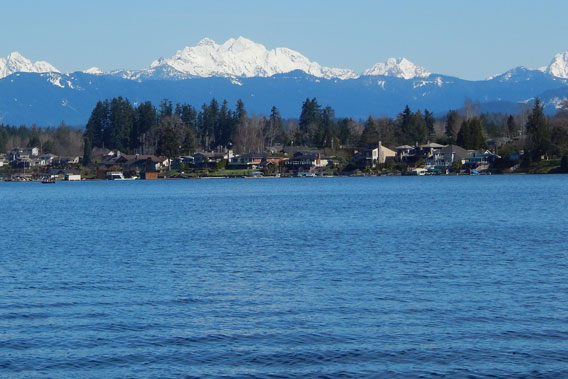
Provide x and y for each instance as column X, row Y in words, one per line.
column 244, row 58
column 46, row 96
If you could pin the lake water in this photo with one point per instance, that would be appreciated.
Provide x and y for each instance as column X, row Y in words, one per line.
column 326, row 277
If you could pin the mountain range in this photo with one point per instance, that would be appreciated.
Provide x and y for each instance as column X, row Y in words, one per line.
column 36, row 92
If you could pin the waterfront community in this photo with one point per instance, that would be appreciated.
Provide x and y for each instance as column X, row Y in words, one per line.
column 26, row 164
column 317, row 189
column 122, row 142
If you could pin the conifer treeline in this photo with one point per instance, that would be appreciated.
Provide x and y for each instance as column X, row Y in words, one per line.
column 182, row 129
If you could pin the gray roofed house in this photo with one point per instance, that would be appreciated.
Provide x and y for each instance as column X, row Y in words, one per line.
column 444, row 158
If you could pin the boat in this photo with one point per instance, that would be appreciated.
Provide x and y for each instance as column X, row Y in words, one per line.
column 48, row 180
column 117, row 175
column 301, row 174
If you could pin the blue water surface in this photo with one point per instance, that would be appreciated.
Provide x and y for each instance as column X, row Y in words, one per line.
column 311, row 277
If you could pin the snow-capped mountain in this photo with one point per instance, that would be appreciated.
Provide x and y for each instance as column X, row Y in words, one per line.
column 242, row 57
column 242, row 69
column 558, row 66
column 94, row 71
column 15, row 62
column 399, row 68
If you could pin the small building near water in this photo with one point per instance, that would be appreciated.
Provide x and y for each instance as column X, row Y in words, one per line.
column 73, row 177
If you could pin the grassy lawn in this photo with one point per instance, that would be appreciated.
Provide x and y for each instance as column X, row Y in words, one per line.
column 223, row 172
column 544, row 167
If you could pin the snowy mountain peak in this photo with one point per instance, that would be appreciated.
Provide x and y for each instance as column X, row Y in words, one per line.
column 242, row 57
column 206, row 42
column 558, row 66
column 16, row 62
column 93, row 71
column 400, row 68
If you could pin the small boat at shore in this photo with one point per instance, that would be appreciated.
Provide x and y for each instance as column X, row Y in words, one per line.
column 48, row 180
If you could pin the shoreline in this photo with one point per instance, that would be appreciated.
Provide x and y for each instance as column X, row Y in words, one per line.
column 271, row 177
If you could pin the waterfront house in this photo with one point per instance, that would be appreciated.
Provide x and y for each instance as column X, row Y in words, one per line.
column 187, row 161
column 254, row 160
column 429, row 149
column 403, row 151
column 480, row 161
column 444, row 158
column 204, row 160
column 131, row 165
column 22, row 163
column 28, row 152
column 412, row 154
column 306, row 161
column 47, row 159
column 65, row 161
column 99, row 154
column 373, row 155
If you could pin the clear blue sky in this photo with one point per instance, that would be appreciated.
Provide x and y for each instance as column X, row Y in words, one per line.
column 470, row 39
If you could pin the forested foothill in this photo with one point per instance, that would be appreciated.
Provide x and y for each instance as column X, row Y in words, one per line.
column 524, row 142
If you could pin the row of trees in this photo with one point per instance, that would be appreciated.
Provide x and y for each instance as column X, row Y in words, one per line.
column 319, row 127
column 59, row 141
column 171, row 130
column 182, row 129
column 117, row 124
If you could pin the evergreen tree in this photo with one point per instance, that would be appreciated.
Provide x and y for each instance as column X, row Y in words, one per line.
column 207, row 121
column 240, row 113
column 511, row 126
column 405, row 119
column 225, row 128
column 370, row 135
column 3, row 139
column 87, row 150
column 538, row 133
column 464, row 135
column 326, row 128
column 470, row 135
column 309, row 122
column 429, row 120
column 145, row 119
column 121, row 124
column 188, row 145
column 187, row 114
column 34, row 139
column 168, row 143
column 478, row 140
column 411, row 127
column 344, row 132
column 418, row 129
column 386, row 129
column 240, row 119
column 98, row 123
column 273, row 127
column 166, row 108
column 452, row 124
